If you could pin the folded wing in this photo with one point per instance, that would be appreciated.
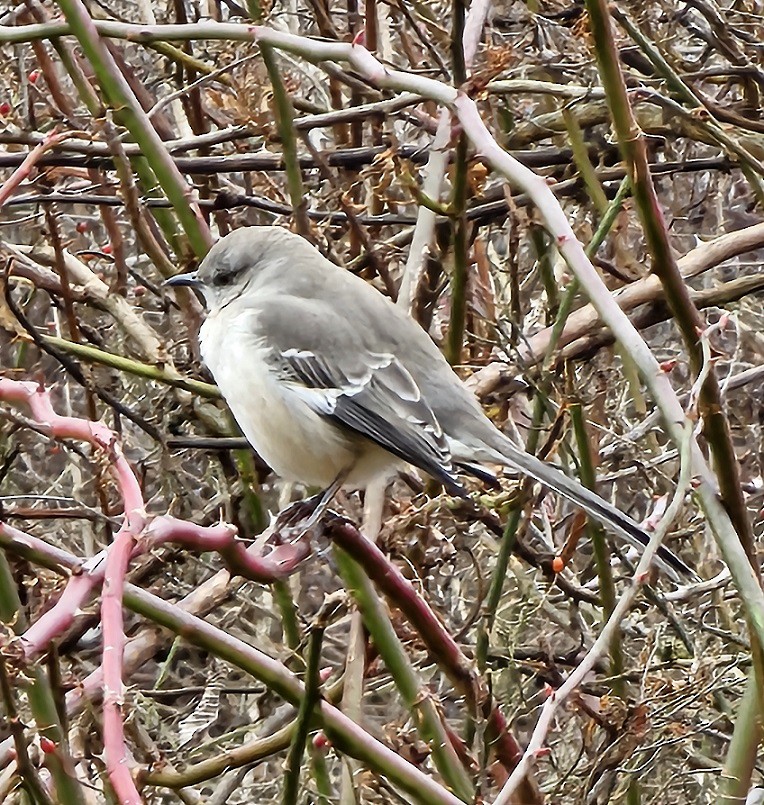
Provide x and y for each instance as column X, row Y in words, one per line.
column 377, row 398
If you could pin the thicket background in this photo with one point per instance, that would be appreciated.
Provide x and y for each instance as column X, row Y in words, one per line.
column 255, row 134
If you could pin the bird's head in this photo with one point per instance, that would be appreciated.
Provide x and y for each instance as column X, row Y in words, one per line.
column 234, row 263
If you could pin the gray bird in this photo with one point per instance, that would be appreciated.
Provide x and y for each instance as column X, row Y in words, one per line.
column 333, row 384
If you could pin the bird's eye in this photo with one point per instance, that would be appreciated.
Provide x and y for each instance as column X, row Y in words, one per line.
column 224, row 279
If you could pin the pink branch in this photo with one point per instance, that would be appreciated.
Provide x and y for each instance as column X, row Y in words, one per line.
column 37, row 399
column 110, row 567
column 112, row 621
column 25, row 169
column 60, row 617
column 280, row 561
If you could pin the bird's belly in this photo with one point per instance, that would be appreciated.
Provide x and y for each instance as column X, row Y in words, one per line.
column 299, row 444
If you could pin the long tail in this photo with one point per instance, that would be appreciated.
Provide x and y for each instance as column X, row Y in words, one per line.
column 591, row 503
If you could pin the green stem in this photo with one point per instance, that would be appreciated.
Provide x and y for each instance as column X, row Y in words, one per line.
column 458, row 14
column 541, row 246
column 179, row 56
column 321, row 775
column 599, row 542
column 499, row 574
column 288, row 610
column 566, row 306
column 419, row 702
column 743, row 749
column 244, row 755
column 126, row 106
column 27, row 771
column 132, row 367
column 583, row 162
column 309, row 701
column 285, row 126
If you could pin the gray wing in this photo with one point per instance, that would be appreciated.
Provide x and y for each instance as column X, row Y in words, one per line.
column 377, row 398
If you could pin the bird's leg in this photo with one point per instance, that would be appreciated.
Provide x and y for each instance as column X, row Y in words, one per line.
column 312, row 509
column 323, row 500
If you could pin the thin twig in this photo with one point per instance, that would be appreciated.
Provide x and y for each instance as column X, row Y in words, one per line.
column 606, row 635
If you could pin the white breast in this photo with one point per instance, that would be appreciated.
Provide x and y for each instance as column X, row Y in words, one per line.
column 296, row 442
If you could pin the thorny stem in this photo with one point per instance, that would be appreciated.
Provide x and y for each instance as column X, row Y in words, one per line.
column 715, row 424
column 606, row 635
column 309, row 701
column 417, row 700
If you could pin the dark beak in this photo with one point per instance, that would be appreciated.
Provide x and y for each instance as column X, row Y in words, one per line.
column 191, row 280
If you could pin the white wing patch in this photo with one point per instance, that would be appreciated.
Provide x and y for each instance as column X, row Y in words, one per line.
column 375, row 395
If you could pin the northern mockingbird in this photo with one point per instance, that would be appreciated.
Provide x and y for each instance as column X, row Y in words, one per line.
column 333, row 384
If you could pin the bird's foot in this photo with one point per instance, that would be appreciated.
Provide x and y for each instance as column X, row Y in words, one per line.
column 303, row 515
column 300, row 515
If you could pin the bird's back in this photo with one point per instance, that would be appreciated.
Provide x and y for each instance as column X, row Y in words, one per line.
column 346, row 300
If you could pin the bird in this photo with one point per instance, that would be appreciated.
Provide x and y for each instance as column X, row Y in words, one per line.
column 334, row 385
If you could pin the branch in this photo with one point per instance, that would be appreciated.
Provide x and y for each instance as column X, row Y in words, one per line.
column 345, row 734
column 606, row 636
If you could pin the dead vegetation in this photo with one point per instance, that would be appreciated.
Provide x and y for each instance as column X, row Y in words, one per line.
column 93, row 220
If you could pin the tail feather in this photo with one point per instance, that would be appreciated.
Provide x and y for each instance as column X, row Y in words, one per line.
column 592, row 504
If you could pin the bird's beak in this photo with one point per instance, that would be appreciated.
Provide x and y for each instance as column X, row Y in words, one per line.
column 191, row 280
